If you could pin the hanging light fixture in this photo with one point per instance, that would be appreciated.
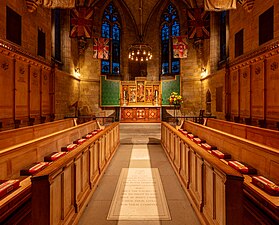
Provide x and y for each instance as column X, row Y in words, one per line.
column 140, row 51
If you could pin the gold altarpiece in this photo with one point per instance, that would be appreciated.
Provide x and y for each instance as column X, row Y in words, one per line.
column 140, row 100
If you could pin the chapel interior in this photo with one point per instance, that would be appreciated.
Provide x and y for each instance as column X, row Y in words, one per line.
column 97, row 94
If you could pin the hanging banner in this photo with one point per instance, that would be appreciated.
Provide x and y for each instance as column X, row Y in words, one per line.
column 180, row 47
column 198, row 23
column 101, row 48
column 81, row 20
column 219, row 5
column 57, row 3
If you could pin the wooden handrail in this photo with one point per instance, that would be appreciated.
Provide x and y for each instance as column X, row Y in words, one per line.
column 205, row 179
column 61, row 191
column 56, row 165
column 216, row 163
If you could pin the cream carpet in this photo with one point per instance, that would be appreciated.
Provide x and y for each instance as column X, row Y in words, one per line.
column 139, row 195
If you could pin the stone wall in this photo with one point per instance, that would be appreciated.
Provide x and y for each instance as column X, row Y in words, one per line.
column 67, row 89
column 249, row 81
column 31, row 22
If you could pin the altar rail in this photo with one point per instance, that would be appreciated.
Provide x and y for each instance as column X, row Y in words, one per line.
column 17, row 205
column 214, row 188
column 16, row 136
column 261, row 135
column 259, row 207
column 61, row 191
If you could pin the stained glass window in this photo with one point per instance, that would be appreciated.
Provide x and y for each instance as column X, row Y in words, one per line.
column 169, row 27
column 111, row 29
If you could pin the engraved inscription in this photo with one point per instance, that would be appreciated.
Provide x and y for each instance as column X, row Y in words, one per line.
column 274, row 66
column 5, row 66
column 257, row 70
column 21, row 70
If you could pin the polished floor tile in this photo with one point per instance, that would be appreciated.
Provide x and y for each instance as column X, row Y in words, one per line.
column 139, row 148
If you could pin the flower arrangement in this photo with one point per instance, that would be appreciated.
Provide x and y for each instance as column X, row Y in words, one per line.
column 175, row 99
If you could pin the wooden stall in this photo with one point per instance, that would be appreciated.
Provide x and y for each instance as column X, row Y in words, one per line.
column 213, row 188
column 260, row 135
column 16, row 207
column 16, row 136
column 26, row 88
column 253, row 84
column 61, row 191
column 259, row 206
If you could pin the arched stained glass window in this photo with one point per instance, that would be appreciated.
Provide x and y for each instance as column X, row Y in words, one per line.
column 169, row 27
column 111, row 29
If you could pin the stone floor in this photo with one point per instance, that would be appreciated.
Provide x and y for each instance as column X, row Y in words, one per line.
column 135, row 138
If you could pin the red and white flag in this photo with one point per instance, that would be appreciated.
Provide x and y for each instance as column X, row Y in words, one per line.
column 101, row 48
column 180, row 47
column 81, row 22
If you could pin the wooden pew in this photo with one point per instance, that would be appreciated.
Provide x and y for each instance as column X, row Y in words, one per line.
column 14, row 158
column 213, row 188
column 260, row 207
column 261, row 135
column 61, row 191
column 16, row 136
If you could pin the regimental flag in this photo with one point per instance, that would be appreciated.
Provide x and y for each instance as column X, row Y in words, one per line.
column 219, row 5
column 101, row 48
column 198, row 23
column 58, row 3
column 180, row 47
column 81, row 22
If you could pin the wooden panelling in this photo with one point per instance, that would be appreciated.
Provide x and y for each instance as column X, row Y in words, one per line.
column 62, row 196
column 260, row 135
column 68, row 191
column 240, row 149
column 35, row 87
column 234, row 93
column 21, row 89
column 67, row 181
column 140, row 114
column 257, row 87
column 258, row 155
column 15, row 136
column 45, row 101
column 274, row 168
column 215, row 189
column 184, row 171
column 25, row 89
column 244, row 92
column 6, row 87
column 272, row 88
column 16, row 157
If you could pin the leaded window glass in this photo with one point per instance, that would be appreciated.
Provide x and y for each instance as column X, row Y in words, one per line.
column 111, row 29
column 170, row 26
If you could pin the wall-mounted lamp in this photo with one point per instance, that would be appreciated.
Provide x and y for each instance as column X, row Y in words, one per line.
column 77, row 71
column 203, row 72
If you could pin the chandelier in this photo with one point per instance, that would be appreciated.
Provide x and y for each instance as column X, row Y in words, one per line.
column 140, row 51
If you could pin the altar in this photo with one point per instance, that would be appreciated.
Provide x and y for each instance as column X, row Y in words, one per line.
column 140, row 101
column 141, row 113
